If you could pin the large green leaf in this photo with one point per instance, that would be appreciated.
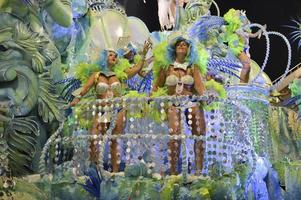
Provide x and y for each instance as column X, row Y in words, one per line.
column 49, row 105
column 21, row 134
column 32, row 43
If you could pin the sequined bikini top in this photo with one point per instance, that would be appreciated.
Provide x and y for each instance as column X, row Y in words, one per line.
column 173, row 80
column 102, row 87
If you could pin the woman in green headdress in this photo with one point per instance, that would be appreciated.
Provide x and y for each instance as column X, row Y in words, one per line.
column 237, row 35
column 181, row 75
column 108, row 84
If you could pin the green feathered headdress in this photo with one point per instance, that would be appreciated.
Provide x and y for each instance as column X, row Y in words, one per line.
column 233, row 20
column 236, row 43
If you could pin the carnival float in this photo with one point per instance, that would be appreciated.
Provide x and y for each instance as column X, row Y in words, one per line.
column 95, row 106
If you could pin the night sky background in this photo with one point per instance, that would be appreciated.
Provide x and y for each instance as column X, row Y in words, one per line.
column 276, row 14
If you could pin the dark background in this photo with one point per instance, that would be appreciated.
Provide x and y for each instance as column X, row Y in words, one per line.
column 276, row 14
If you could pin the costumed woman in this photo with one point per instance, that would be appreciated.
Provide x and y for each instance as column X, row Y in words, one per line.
column 181, row 75
column 108, row 84
column 237, row 35
column 131, row 54
column 142, row 81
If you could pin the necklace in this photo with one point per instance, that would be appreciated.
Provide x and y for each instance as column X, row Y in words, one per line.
column 181, row 65
column 180, row 85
